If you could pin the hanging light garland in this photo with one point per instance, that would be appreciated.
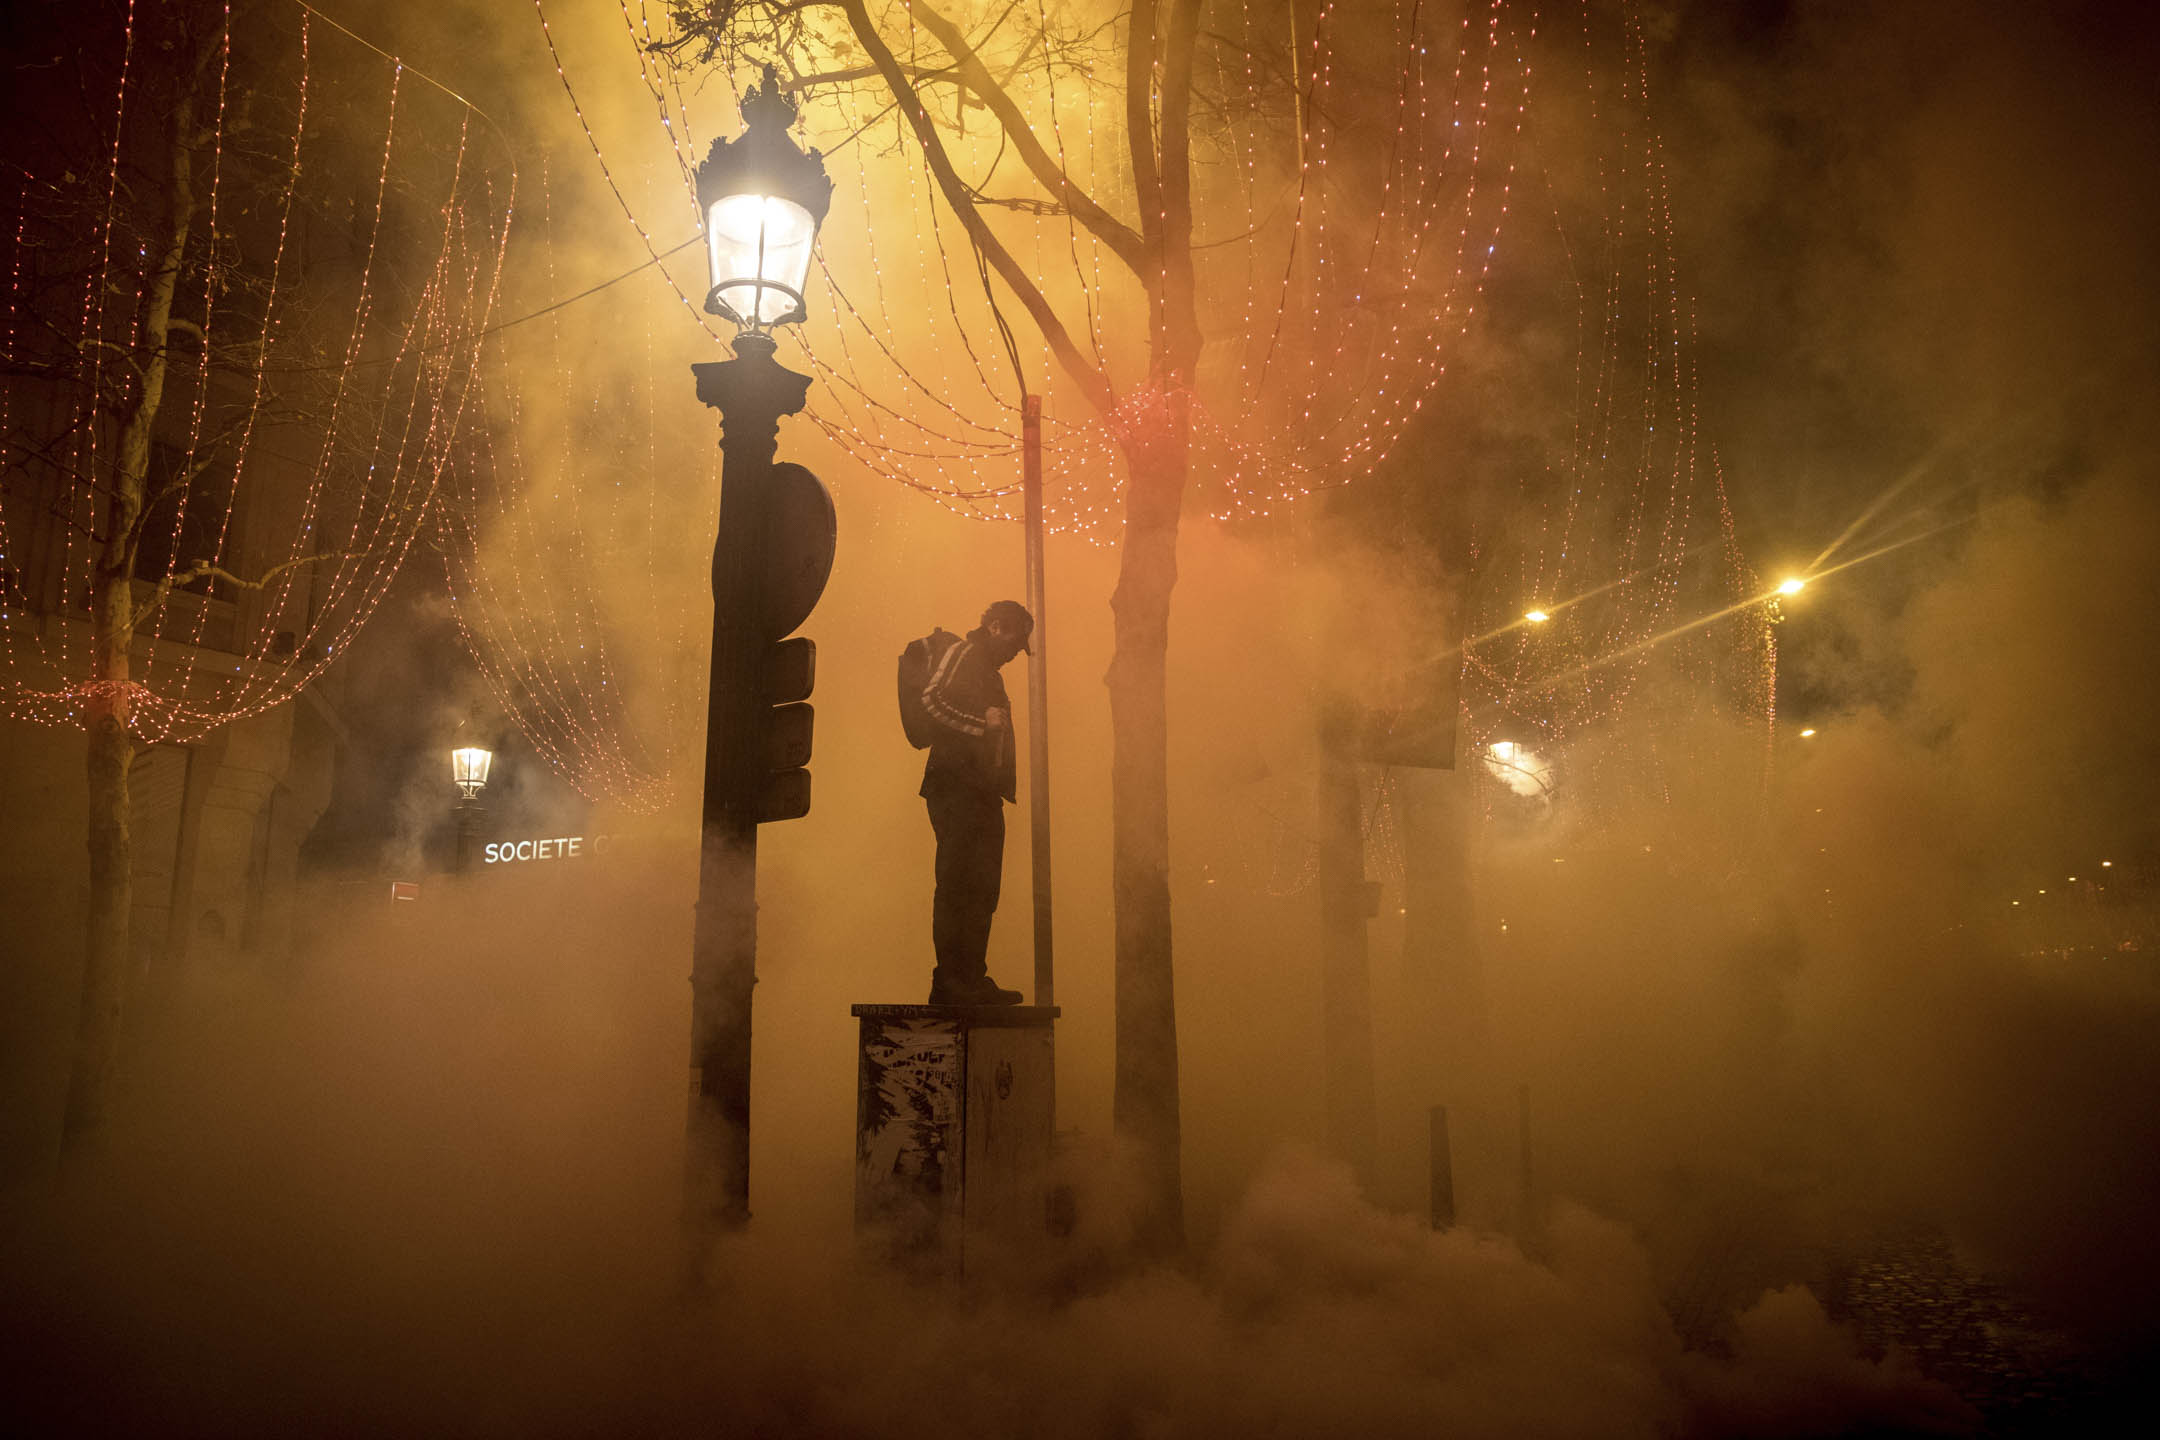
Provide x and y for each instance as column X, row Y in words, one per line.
column 392, row 404
column 1351, row 296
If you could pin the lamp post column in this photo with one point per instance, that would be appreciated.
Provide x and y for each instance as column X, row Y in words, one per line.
column 468, row 830
column 751, row 392
column 469, row 772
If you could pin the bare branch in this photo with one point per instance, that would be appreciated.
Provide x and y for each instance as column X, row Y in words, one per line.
column 921, row 74
column 708, row 23
column 205, row 570
column 1140, row 46
column 1091, row 380
column 1123, row 241
column 91, row 342
column 1025, row 204
column 1179, row 319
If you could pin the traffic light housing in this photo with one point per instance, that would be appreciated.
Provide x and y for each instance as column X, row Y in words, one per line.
column 771, row 559
column 790, row 670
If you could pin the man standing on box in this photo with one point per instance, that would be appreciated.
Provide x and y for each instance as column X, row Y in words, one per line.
column 967, row 783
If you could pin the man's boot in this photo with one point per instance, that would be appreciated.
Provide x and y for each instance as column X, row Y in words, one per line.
column 980, row 991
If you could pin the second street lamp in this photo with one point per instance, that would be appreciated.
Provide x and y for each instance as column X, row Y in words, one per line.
column 761, row 200
column 469, row 770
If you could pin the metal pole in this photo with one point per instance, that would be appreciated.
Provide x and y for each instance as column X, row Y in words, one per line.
column 1038, row 694
column 1443, row 1172
column 1345, row 986
column 751, row 392
column 468, row 826
column 1529, row 1226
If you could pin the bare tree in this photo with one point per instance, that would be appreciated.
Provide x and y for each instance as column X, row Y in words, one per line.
column 1152, row 420
column 123, row 372
column 149, row 342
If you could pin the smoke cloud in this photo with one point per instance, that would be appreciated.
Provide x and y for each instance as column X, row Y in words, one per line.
column 421, row 1176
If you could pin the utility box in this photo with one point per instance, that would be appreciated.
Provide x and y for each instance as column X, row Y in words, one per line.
column 955, row 1110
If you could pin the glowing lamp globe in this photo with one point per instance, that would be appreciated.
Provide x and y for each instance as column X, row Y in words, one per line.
column 469, row 768
column 762, row 201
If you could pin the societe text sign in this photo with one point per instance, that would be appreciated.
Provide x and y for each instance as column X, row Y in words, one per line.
column 555, row 847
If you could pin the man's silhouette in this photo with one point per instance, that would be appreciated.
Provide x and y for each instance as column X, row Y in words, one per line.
column 967, row 783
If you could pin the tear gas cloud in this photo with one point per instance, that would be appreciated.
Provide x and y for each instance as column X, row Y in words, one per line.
column 425, row 1179
column 422, row 1176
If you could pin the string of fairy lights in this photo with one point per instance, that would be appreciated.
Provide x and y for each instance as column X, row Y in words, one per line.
column 1591, row 604
column 937, row 412
column 1343, row 259
column 1349, row 346
column 302, row 447
column 1345, row 264
column 554, row 493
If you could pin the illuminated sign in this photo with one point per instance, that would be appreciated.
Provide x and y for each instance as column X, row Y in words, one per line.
column 555, row 847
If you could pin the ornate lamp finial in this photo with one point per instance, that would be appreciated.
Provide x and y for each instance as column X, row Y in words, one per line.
column 768, row 104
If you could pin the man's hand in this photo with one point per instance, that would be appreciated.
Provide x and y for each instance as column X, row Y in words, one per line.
column 994, row 718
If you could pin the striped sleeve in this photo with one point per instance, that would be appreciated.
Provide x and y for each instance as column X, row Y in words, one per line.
column 938, row 701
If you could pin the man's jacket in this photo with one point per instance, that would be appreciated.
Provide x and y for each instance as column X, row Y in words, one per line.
column 966, row 753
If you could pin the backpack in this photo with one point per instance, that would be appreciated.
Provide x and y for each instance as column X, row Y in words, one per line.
column 917, row 662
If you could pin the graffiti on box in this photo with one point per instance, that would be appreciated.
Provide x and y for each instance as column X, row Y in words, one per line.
column 907, row 1139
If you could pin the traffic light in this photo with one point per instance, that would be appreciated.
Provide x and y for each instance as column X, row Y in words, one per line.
column 774, row 553
column 784, row 737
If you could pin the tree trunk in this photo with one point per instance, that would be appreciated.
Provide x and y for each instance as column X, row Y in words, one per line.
column 1346, row 1028
column 1145, row 1099
column 112, row 632
column 105, row 950
column 1155, row 428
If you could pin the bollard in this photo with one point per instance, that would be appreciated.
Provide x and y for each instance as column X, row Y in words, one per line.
column 1443, row 1172
column 1528, row 1227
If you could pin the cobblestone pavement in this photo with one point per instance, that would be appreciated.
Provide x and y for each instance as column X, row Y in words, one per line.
column 1904, row 1286
column 1907, row 1288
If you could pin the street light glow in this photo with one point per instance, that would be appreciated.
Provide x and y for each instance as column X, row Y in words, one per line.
column 1791, row 585
column 762, row 200
column 1518, row 767
column 469, row 768
column 759, row 255
column 1536, row 617
column 1808, row 734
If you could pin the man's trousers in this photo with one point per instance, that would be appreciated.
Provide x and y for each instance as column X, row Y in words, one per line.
column 970, row 829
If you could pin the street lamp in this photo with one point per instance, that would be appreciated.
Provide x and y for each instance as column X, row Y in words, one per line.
column 469, row 769
column 762, row 201
column 1520, row 768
